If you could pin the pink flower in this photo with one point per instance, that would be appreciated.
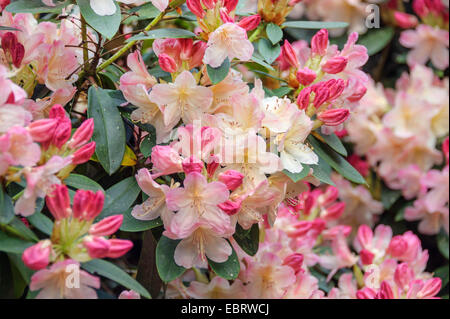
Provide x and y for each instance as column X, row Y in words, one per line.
column 37, row 256
column 229, row 40
column 217, row 288
column 166, row 160
column 376, row 244
column 64, row 279
column 129, row 294
column 183, row 99
column 427, row 43
column 197, row 203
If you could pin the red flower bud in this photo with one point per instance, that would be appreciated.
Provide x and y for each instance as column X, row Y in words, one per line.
column 58, row 202
column 167, row 63
column 42, row 130
column 230, row 207
column 106, row 226
column 232, row 179
column 319, row 42
column 196, row 8
column 294, row 261
column 83, row 154
column 335, row 65
column 334, row 117
column 83, row 134
column 37, row 256
column 250, row 23
column 119, row 247
column 192, row 164
column 306, row 76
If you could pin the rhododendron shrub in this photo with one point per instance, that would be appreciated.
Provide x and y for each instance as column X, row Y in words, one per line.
column 243, row 149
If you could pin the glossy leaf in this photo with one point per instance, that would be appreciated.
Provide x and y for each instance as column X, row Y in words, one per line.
column 274, row 33
column 6, row 207
column 105, row 25
column 216, row 75
column 229, row 269
column 131, row 224
column 315, row 24
column 168, row 270
column 120, row 197
column 78, row 181
column 248, row 239
column 34, row 6
column 268, row 51
column 170, row 33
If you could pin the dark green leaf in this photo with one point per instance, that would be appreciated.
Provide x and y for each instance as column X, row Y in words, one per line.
column 228, row 270
column 389, row 196
column 268, row 51
column 335, row 143
column 216, row 75
column 6, row 207
column 295, row 177
column 2, row 28
column 322, row 171
column 248, row 240
column 13, row 245
column 442, row 242
column 108, row 270
column 25, row 272
column 106, row 25
column 168, row 270
column 131, row 224
column 147, row 145
column 109, row 131
column 259, row 60
column 41, row 222
column 120, row 197
column 23, row 230
column 82, row 182
column 170, row 33
column 274, row 33
column 315, row 25
column 443, row 273
column 34, row 6
column 376, row 40
column 336, row 161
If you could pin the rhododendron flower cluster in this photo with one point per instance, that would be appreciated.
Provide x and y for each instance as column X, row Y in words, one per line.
column 224, row 149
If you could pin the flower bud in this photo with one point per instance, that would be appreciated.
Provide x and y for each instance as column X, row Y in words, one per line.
column 119, row 247
column 62, row 132
column 431, row 288
column 304, row 98
column 334, row 117
column 42, row 130
column 294, row 261
column 129, row 294
column 335, row 87
column 445, row 149
column 404, row 20
column 83, row 134
column 57, row 112
column 331, row 194
column 225, row 17
column 58, row 202
column 186, row 49
column 366, row 257
column 403, row 275
column 335, row 211
column 230, row 4
column 366, row 293
column 306, row 76
column 322, row 94
column 37, row 256
column 231, row 178
column 319, row 42
column 83, row 154
column 385, row 291
column 335, row 65
column 213, row 164
column 192, row 164
column 97, row 247
column 167, row 63
column 14, row 50
column 250, row 23
column 209, row 4
column 289, row 54
column 196, row 8
column 106, row 226
column 397, row 246
column 166, row 160
column 230, row 207
column 87, row 205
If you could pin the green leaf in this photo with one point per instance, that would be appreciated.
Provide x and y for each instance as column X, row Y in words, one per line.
column 131, row 224
column 315, row 25
column 443, row 273
column 12, row 244
column 120, row 197
column 268, row 51
column 335, row 143
column 168, row 270
column 142, row 12
column 23, row 230
column 6, row 207
column 295, row 177
column 41, row 222
column 82, row 182
column 34, row 6
column 322, row 171
column 109, row 270
column 336, row 161
column 2, row 28
column 147, row 145
column 376, row 40
column 399, row 216
column 105, row 25
column 170, row 33
column 274, row 33
column 442, row 242
column 248, row 239
column 389, row 196
column 216, row 75
column 25, row 272
column 109, row 131
column 229, row 269
column 259, row 60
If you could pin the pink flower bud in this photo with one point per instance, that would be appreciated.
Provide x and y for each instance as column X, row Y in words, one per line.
column 404, row 20
column 334, row 117
column 213, row 164
column 231, row 178
column 97, row 247
column 87, row 205
column 385, row 291
column 83, row 154
column 4, row 4
column 304, row 98
column 445, row 149
column 335, row 211
column 14, row 50
column 331, row 194
column 250, row 23
column 403, row 275
column 166, row 160
column 420, row 8
column 306, row 76
column 319, row 42
column 335, row 87
column 129, row 294
column 431, row 288
column 57, row 112
column 106, row 226
column 192, row 164
column 83, row 134
column 366, row 257
column 230, row 207
column 198, row 51
column 294, row 261
column 364, row 236
column 119, row 247
column 397, row 246
column 230, row 4
column 186, row 49
column 196, row 8
column 358, row 93
column 62, row 132
column 366, row 293
column 322, row 94
column 37, row 256
column 42, row 130
column 209, row 4
column 225, row 17
column 58, row 202
column 167, row 63
column 289, row 54
column 335, row 65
